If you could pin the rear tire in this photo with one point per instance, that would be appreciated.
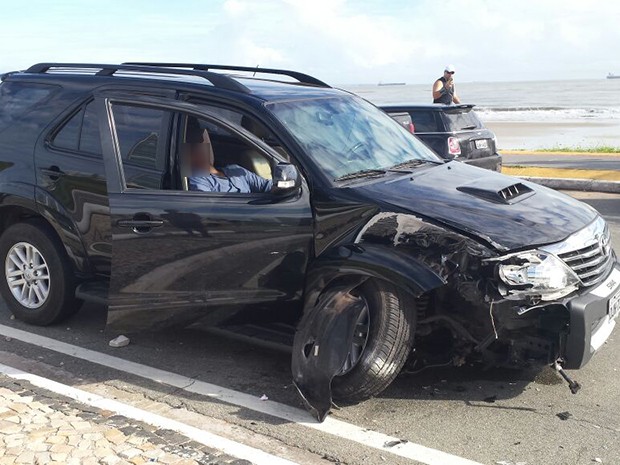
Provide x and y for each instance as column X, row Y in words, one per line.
column 37, row 280
column 389, row 343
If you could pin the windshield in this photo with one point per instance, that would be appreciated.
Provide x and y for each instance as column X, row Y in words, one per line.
column 345, row 135
column 458, row 120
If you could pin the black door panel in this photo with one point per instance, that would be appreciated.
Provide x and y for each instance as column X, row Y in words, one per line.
column 209, row 250
column 177, row 256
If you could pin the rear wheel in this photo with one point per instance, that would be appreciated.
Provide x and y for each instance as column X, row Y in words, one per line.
column 383, row 339
column 37, row 284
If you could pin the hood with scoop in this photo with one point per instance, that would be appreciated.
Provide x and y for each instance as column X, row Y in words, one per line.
column 506, row 212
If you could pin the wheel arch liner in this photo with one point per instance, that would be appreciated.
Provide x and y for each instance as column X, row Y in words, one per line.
column 322, row 344
column 325, row 333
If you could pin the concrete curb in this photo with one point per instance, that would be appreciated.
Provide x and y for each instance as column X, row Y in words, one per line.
column 589, row 185
column 560, row 154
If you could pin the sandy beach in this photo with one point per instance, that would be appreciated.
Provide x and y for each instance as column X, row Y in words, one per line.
column 532, row 135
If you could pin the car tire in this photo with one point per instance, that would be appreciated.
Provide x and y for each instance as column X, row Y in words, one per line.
column 388, row 344
column 43, row 292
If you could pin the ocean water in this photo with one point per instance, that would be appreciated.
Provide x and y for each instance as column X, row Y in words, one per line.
column 529, row 101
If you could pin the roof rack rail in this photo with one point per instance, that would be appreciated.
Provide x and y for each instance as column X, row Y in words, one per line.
column 301, row 77
column 216, row 79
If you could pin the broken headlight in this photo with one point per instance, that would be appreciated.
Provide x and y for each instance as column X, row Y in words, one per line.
column 536, row 274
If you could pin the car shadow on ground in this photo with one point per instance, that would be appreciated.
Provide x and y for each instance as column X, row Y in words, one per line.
column 474, row 385
column 255, row 370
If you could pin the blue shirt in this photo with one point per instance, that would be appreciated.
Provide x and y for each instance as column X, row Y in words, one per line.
column 238, row 180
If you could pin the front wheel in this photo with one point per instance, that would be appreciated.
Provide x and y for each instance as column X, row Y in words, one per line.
column 37, row 283
column 382, row 341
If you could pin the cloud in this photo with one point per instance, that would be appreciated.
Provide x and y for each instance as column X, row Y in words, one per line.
column 341, row 41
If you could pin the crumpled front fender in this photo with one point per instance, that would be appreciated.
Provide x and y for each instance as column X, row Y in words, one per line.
column 369, row 261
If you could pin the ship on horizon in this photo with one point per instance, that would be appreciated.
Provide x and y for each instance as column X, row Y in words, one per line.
column 392, row 84
column 613, row 76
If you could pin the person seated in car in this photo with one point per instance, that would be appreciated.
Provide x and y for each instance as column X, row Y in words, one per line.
column 207, row 178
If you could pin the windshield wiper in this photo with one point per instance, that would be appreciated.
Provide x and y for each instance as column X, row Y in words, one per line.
column 413, row 164
column 361, row 174
column 473, row 126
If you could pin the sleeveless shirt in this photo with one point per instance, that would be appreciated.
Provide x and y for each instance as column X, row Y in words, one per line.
column 446, row 98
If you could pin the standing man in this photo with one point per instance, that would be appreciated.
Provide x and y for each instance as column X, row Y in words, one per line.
column 443, row 89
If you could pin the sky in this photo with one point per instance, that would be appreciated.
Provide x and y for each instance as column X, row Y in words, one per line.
column 338, row 41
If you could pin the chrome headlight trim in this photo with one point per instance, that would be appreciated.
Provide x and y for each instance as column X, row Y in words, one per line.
column 535, row 274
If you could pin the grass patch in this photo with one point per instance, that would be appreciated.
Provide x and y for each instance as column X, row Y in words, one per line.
column 575, row 149
column 599, row 175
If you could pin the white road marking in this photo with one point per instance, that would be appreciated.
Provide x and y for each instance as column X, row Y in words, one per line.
column 225, row 445
column 331, row 425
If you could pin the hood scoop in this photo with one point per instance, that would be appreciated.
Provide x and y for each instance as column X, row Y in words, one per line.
column 502, row 193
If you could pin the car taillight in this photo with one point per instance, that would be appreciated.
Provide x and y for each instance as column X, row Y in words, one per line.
column 411, row 128
column 454, row 147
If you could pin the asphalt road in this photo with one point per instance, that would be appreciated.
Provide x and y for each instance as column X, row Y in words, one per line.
column 557, row 160
column 492, row 417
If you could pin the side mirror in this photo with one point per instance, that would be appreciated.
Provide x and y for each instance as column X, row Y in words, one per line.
column 286, row 179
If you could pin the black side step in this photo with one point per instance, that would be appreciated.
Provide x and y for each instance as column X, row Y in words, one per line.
column 276, row 336
column 93, row 291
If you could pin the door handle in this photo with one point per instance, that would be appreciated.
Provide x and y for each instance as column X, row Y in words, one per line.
column 53, row 172
column 141, row 223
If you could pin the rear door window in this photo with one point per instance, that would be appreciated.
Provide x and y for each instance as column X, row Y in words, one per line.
column 424, row 121
column 69, row 135
column 141, row 134
column 90, row 139
column 19, row 98
column 81, row 132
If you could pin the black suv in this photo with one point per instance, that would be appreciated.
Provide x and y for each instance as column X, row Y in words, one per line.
column 454, row 132
column 366, row 243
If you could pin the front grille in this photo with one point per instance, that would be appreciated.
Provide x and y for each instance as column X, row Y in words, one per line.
column 593, row 258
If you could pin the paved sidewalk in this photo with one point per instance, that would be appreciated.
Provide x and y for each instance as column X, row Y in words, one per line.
column 40, row 427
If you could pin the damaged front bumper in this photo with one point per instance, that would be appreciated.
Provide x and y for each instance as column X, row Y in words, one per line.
column 570, row 332
column 592, row 319
column 569, row 292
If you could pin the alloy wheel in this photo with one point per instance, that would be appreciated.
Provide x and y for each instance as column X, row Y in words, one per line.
column 27, row 275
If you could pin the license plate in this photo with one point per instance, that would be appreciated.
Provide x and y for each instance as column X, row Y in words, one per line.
column 614, row 306
column 482, row 144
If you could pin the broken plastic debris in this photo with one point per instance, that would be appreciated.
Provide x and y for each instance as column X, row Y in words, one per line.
column 564, row 415
column 394, row 443
column 597, row 460
column 120, row 341
column 264, row 397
